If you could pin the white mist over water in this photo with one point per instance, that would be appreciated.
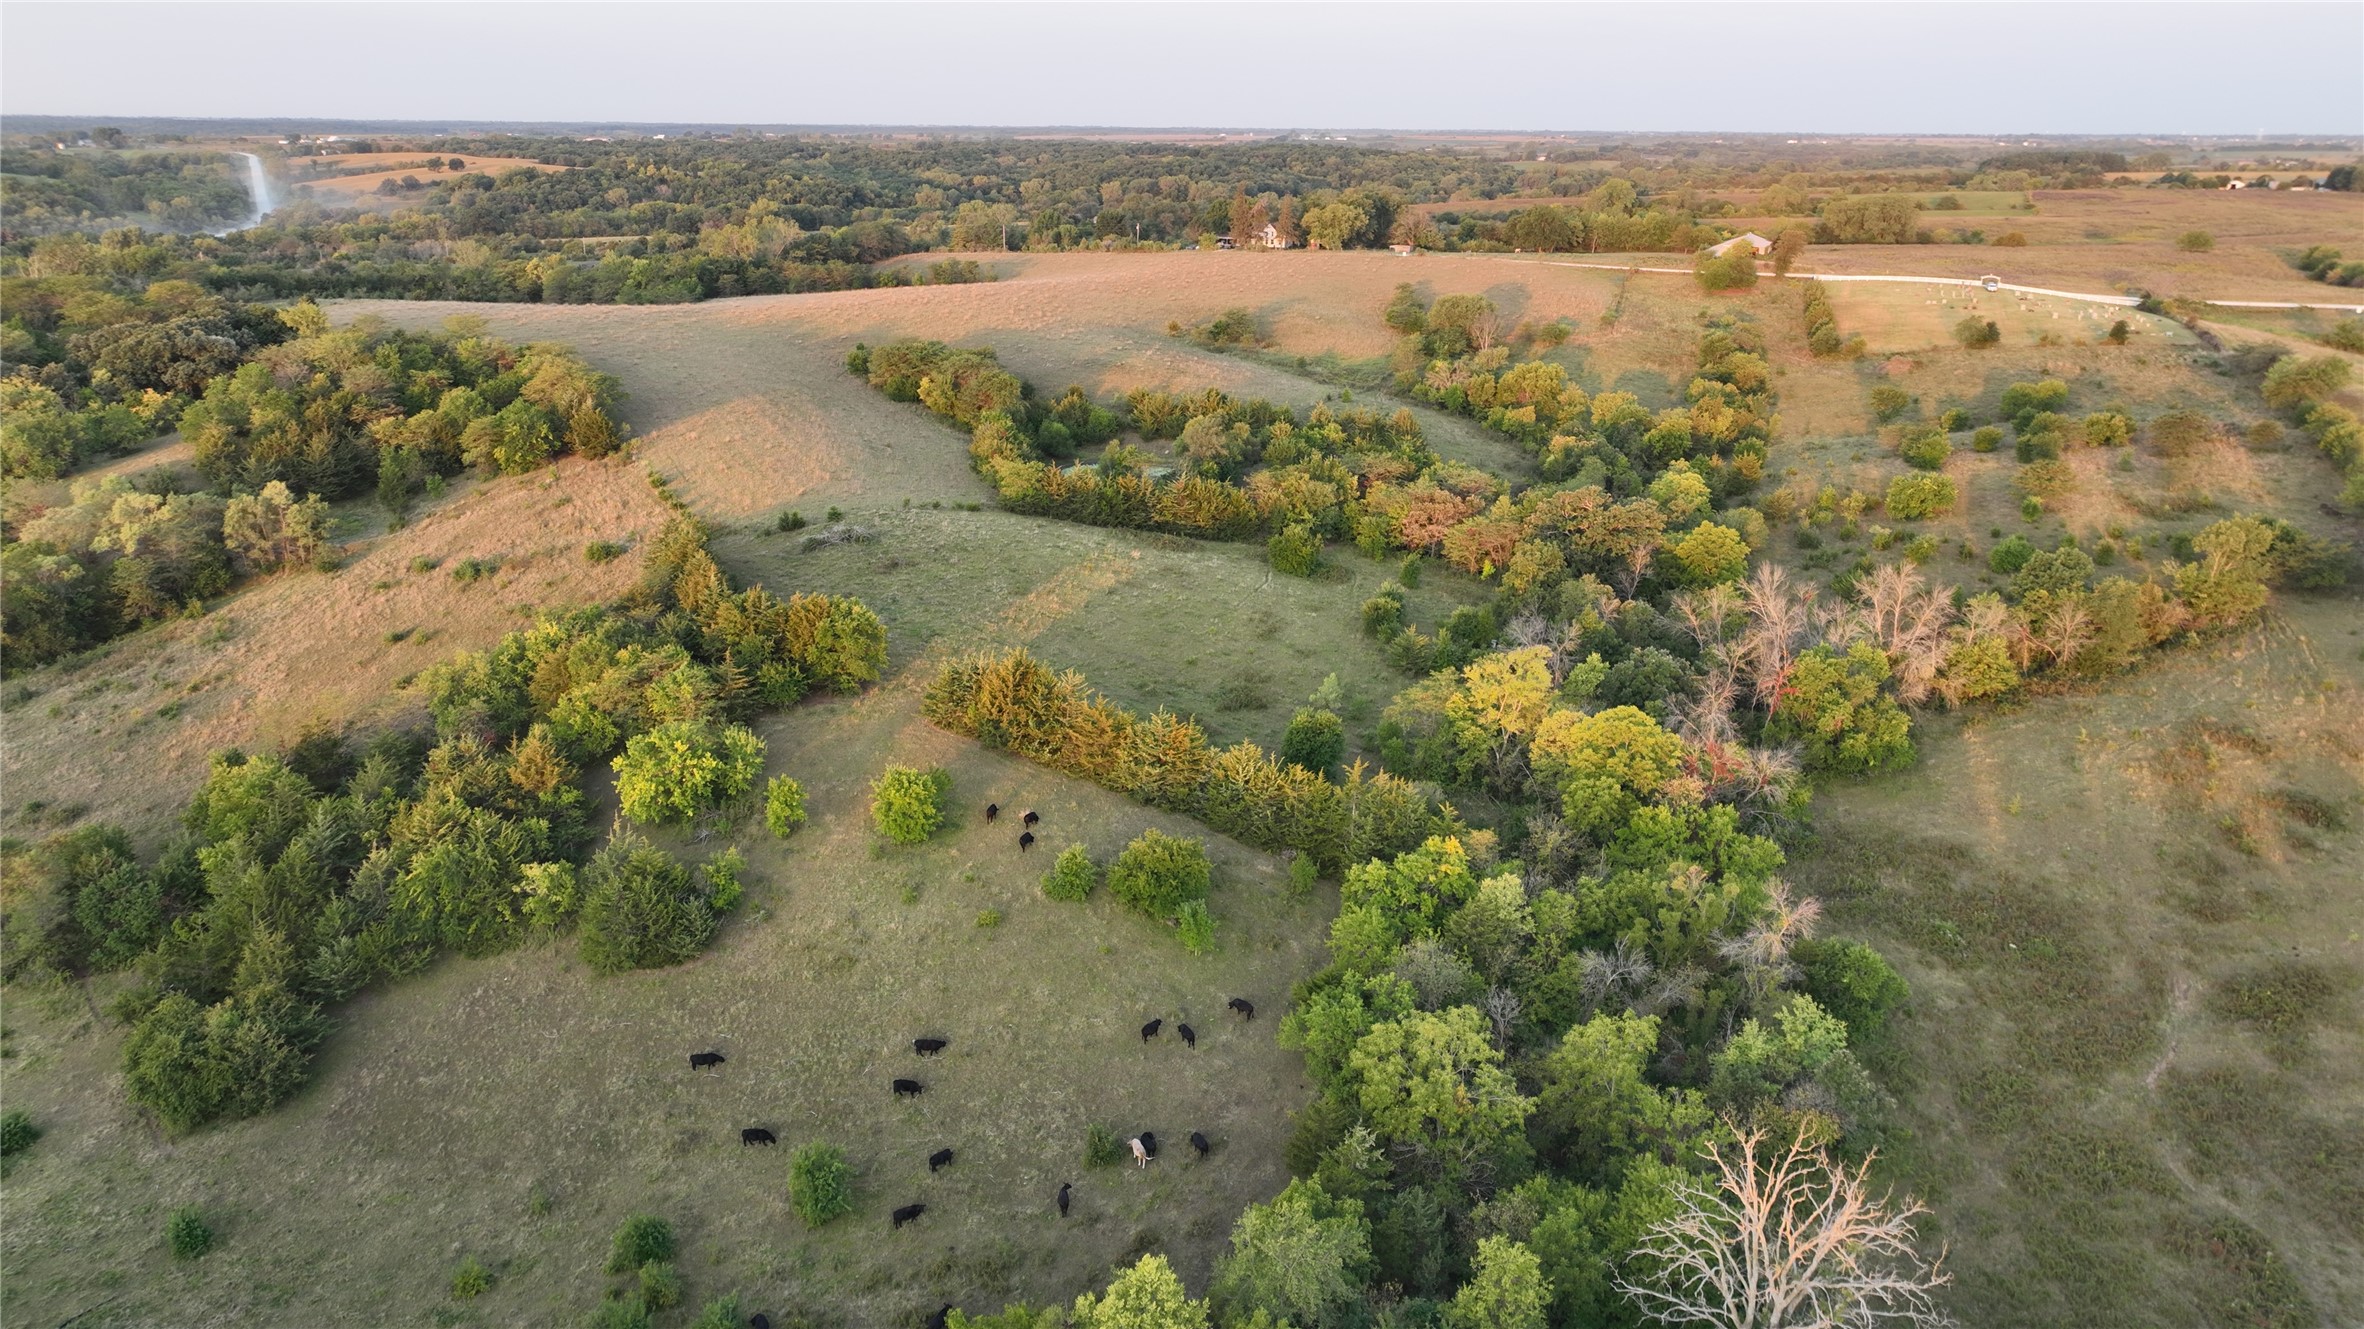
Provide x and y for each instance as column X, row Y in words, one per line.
column 258, row 187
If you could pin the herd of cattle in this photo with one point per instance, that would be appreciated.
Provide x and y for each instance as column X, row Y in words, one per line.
column 1144, row 1145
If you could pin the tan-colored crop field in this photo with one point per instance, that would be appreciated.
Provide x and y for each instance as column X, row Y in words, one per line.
column 356, row 186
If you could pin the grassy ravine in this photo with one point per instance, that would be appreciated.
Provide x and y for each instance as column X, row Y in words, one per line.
column 2133, row 1074
column 447, row 1103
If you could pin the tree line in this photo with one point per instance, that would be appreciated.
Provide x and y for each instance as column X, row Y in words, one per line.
column 308, row 415
column 302, row 877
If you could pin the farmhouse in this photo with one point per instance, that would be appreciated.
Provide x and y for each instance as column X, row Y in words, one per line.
column 1271, row 238
column 1750, row 238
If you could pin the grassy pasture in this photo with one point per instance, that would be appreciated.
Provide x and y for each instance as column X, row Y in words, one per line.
column 1898, row 317
column 2132, row 1072
column 450, row 1100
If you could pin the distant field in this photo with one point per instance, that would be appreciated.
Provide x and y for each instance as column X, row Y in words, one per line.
column 1902, row 317
column 358, row 185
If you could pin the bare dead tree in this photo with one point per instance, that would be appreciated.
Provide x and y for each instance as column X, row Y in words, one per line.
column 1502, row 1010
column 1528, row 630
column 2065, row 632
column 1781, row 624
column 1785, row 1239
column 1614, row 977
column 1907, row 618
column 1637, row 562
column 1761, row 954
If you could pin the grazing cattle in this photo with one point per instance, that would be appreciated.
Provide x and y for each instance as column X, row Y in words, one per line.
column 1189, row 1035
column 908, row 1089
column 757, row 1135
column 1198, row 1141
column 1031, row 817
column 1064, row 1188
column 992, row 810
column 1025, row 841
column 927, row 1047
column 1140, row 1152
column 1243, row 1006
column 702, row 1060
column 939, row 1159
column 759, row 1320
column 943, row 1314
column 1149, row 1030
column 1149, row 1142
column 908, row 1212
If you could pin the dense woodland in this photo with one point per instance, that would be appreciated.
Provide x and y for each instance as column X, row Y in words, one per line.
column 665, row 221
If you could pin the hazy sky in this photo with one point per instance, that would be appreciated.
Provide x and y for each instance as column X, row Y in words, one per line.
column 1817, row 68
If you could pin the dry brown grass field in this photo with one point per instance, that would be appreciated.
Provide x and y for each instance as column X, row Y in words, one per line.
column 2068, row 884
column 355, row 186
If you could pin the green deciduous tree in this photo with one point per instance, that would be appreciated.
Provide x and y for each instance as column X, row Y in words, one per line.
column 1147, row 1296
column 1158, row 873
column 1434, row 1082
column 1300, row 1259
column 1506, row 1290
column 907, row 804
column 682, row 768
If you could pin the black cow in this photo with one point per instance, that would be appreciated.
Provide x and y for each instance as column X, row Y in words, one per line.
column 757, row 1135
column 927, row 1047
column 939, row 1159
column 992, row 810
column 701, row 1060
column 1031, row 817
column 938, row 1320
column 1198, row 1141
column 1149, row 1030
column 1064, row 1188
column 1149, row 1142
column 1243, row 1006
column 909, row 1088
column 1189, row 1035
column 759, row 1320
column 1025, row 841
column 908, row 1212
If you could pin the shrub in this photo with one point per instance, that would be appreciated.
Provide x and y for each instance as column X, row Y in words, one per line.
column 2109, row 429
column 2045, row 479
column 1304, row 875
column 1911, row 497
column 1158, row 873
column 720, row 1313
column 989, row 918
column 660, row 1285
column 602, row 551
column 1926, row 451
column 471, row 1280
column 2178, row 433
column 1101, row 1147
column 187, row 1233
column 907, row 804
column 783, row 806
column 1889, row 402
column 2294, row 383
column 1073, row 876
column 1383, row 613
column 640, row 909
column 2195, row 242
column 1734, row 270
column 723, row 887
column 1975, row 333
column 2119, row 333
column 2345, row 335
column 820, row 1184
column 1316, row 740
column 1197, row 927
column 1851, row 981
column 17, row 1132
column 2011, row 240
column 1986, row 438
column 1296, row 551
column 684, row 767
column 788, row 520
column 643, row 1238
